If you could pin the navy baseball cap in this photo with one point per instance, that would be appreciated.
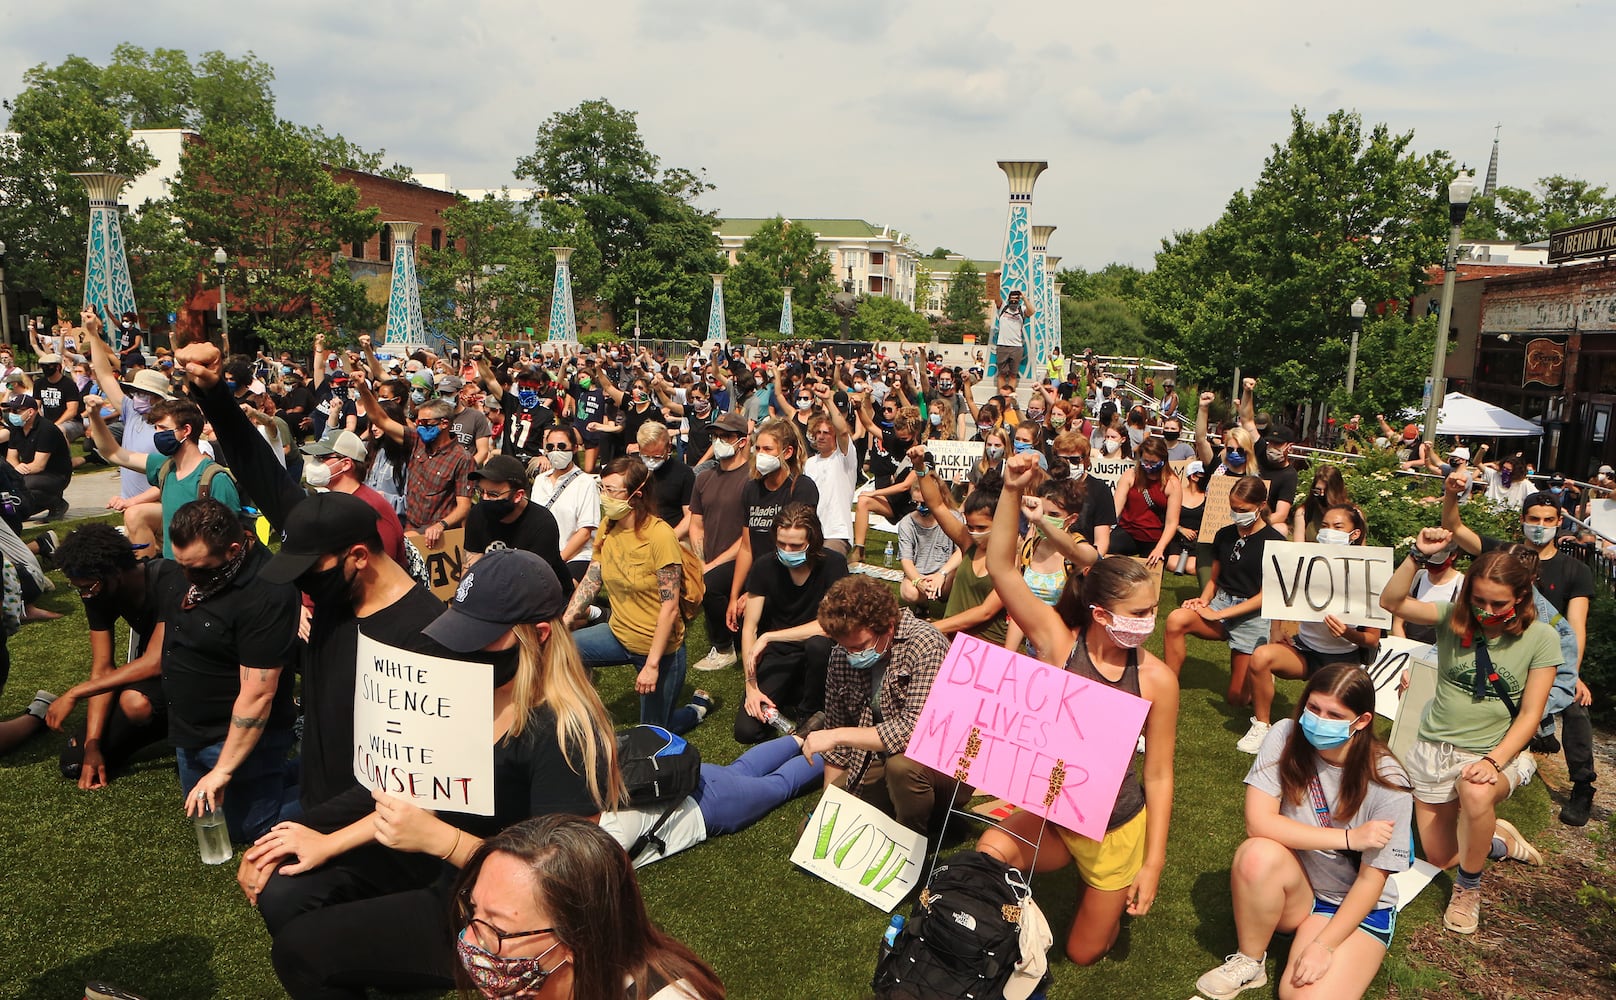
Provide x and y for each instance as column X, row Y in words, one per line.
column 505, row 588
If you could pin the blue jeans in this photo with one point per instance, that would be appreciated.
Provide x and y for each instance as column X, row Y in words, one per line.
column 599, row 648
column 260, row 793
column 770, row 774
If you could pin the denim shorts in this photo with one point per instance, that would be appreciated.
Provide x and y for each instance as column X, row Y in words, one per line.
column 1380, row 924
column 1245, row 633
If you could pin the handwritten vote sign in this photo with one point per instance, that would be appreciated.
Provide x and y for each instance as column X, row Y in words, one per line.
column 424, row 728
column 1048, row 741
column 1304, row 581
column 859, row 849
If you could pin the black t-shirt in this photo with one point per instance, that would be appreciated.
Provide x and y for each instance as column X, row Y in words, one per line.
column 523, row 435
column 54, row 397
column 1281, row 485
column 700, row 437
column 250, row 623
column 889, row 455
column 671, row 486
column 535, row 531
column 588, row 406
column 46, row 437
column 633, row 419
column 762, row 505
column 1240, row 559
column 786, row 605
column 1559, row 579
column 104, row 609
column 533, row 778
column 1099, row 507
column 298, row 397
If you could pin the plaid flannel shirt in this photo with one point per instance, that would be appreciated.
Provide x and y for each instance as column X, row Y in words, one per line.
column 917, row 654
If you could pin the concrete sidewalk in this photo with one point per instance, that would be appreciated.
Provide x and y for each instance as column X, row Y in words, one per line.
column 87, row 495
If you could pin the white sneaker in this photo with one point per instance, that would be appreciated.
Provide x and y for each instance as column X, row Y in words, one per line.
column 1252, row 741
column 1236, row 974
column 716, row 659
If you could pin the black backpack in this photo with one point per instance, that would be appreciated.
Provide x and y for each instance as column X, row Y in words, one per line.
column 964, row 938
column 658, row 768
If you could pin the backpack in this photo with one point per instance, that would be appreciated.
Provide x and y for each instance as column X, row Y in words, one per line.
column 964, row 938
column 16, row 502
column 204, row 487
column 692, row 584
column 658, row 768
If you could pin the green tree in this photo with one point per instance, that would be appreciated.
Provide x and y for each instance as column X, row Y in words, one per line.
column 1339, row 211
column 939, row 253
column 487, row 280
column 1522, row 216
column 1394, row 359
column 923, row 276
column 780, row 254
column 963, row 305
column 1109, row 324
column 261, row 192
column 880, row 318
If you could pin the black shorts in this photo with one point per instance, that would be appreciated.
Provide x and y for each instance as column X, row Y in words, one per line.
column 902, row 504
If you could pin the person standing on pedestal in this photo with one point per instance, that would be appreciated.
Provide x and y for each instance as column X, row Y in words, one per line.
column 1010, row 339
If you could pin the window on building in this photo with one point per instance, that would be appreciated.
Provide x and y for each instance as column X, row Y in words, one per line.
column 437, row 239
column 876, row 284
column 358, row 251
column 877, row 259
column 386, row 250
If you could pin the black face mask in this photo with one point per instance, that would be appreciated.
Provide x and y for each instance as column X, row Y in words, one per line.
column 1170, row 436
column 329, row 589
column 51, row 371
column 499, row 509
column 505, row 662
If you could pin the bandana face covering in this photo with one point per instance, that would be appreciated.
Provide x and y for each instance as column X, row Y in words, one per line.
column 499, row 976
column 207, row 582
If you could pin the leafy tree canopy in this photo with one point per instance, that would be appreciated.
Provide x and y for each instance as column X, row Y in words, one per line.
column 780, row 254
column 1522, row 216
column 880, row 318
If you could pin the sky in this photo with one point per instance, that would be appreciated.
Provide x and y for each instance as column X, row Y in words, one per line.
column 1150, row 113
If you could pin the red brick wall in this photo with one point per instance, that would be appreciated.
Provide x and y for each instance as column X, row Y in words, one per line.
column 398, row 201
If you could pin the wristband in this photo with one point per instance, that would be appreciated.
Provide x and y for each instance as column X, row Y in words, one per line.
column 454, row 847
column 1488, row 758
column 1348, row 834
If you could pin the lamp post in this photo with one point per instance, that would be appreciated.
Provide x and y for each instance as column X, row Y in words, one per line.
column 221, row 262
column 5, row 308
column 636, row 322
column 1358, row 309
column 1459, row 193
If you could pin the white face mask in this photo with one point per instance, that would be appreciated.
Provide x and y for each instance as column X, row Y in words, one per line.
column 1112, row 445
column 1334, row 536
column 317, row 474
column 560, row 460
column 1244, row 518
column 652, row 464
column 767, row 464
column 1129, row 633
column 723, row 449
column 1539, row 534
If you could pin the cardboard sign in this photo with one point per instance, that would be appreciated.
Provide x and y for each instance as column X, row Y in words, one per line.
column 1216, row 516
column 424, row 728
column 1396, row 655
column 1108, row 470
column 952, row 460
column 1154, row 571
column 1047, row 740
column 1602, row 517
column 446, row 564
column 1305, row 581
column 859, row 849
column 1421, row 689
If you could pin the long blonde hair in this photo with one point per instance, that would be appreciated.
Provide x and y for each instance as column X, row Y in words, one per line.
column 551, row 673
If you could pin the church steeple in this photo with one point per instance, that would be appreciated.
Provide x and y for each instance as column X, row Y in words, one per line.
column 1491, row 184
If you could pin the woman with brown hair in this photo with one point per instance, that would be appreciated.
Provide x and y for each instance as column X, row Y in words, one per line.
column 776, row 480
column 1148, row 500
column 1327, row 824
column 1495, row 665
column 551, row 908
column 1328, row 492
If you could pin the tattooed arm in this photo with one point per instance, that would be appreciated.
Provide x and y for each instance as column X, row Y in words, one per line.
column 668, row 578
column 248, row 717
column 583, row 596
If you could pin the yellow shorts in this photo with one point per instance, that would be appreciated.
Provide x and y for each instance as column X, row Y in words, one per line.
column 1112, row 863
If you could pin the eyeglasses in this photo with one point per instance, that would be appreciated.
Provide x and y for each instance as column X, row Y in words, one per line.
column 485, row 495
column 616, row 491
column 86, row 593
column 491, row 939
column 440, row 422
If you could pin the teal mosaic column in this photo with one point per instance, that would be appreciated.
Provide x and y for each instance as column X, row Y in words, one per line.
column 563, row 315
column 715, row 317
column 1016, row 260
column 1051, row 307
column 1038, row 331
column 404, row 322
column 108, row 290
column 788, row 325
column 1060, row 333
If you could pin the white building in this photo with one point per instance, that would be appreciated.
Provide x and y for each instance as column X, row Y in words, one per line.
column 865, row 259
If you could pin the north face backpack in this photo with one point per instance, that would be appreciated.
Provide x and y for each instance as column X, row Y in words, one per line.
column 656, row 765
column 964, row 938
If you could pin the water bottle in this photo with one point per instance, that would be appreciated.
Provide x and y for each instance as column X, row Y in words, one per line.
column 772, row 716
column 889, row 938
column 1183, row 561
column 889, row 554
column 213, row 837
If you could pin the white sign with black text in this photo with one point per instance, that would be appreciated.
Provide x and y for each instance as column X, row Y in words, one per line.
column 1305, row 581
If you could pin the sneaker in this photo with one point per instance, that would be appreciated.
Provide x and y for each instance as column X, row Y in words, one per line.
column 1252, row 741
column 716, row 659
column 106, row 991
column 40, row 705
column 1577, row 808
column 47, row 542
column 57, row 511
column 1463, row 914
column 702, row 702
column 1518, row 848
column 1236, row 974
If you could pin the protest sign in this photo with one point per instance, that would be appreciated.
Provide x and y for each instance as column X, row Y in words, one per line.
column 1108, row 470
column 1154, row 571
column 1421, row 689
column 1395, row 656
column 1412, row 881
column 446, row 563
column 1047, row 740
column 1215, row 517
column 859, row 849
column 1305, row 581
column 952, row 460
column 1602, row 517
column 424, row 728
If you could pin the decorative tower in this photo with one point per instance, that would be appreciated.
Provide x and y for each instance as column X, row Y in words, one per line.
column 1055, row 314
column 1051, row 306
column 1016, row 259
column 404, row 322
column 1038, row 337
column 108, row 292
column 563, row 316
column 715, row 318
column 1491, row 186
column 788, row 325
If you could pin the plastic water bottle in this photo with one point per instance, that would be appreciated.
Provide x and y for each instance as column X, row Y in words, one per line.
column 213, row 837
column 772, row 716
column 889, row 938
column 889, row 554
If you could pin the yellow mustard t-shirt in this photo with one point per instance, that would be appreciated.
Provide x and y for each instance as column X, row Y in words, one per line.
column 629, row 560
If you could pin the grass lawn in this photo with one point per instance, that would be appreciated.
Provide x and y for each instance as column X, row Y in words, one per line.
column 107, row 885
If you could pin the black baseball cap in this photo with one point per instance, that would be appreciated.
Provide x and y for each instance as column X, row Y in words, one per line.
column 505, row 588
column 318, row 525
column 503, row 469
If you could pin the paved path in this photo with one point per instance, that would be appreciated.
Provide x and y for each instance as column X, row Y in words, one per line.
column 87, row 495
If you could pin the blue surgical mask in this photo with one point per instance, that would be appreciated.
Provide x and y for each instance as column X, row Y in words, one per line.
column 166, row 442
column 1022, row 447
column 417, row 396
column 864, row 659
column 428, row 434
column 1325, row 734
column 1234, row 456
column 792, row 559
column 14, row 419
column 922, row 509
column 232, row 384
column 1557, row 490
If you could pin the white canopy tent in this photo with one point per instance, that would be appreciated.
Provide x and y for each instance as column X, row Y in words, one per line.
column 1466, row 416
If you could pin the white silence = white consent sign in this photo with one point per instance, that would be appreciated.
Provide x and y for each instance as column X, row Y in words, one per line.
column 1305, row 581
column 424, row 728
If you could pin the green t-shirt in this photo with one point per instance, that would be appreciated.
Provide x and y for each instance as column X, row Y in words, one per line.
column 1454, row 715
column 181, row 490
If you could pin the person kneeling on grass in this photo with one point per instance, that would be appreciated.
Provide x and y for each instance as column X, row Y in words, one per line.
column 1327, row 822
column 1495, row 665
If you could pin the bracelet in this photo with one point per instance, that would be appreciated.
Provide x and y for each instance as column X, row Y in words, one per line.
column 1488, row 758
column 452, row 849
column 1348, row 834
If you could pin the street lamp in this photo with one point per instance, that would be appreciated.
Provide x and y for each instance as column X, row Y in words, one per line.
column 1459, row 194
column 221, row 262
column 1358, row 309
column 5, row 309
column 636, row 322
